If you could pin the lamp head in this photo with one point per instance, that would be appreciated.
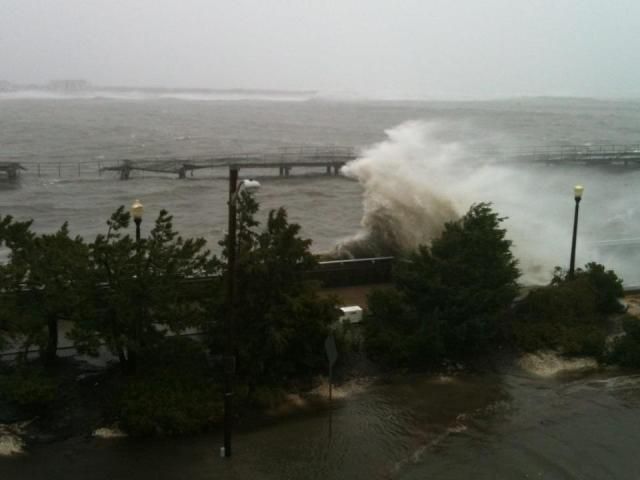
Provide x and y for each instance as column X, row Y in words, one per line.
column 137, row 209
column 249, row 185
column 577, row 191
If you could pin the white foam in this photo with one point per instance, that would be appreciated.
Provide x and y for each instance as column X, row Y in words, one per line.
column 548, row 364
column 10, row 441
column 109, row 432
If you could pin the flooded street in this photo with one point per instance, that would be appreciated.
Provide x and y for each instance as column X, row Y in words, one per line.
column 513, row 424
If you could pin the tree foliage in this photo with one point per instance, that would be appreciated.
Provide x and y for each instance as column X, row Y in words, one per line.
column 15, row 240
column 175, row 396
column 281, row 320
column 450, row 294
column 571, row 313
column 625, row 350
column 140, row 297
column 44, row 281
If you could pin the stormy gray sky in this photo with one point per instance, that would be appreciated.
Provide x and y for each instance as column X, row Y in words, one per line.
column 372, row 48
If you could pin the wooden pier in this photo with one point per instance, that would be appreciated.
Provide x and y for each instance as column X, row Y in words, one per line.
column 589, row 155
column 328, row 159
column 11, row 169
column 298, row 160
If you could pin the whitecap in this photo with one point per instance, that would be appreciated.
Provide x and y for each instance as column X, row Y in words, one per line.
column 109, row 432
column 10, row 441
column 548, row 364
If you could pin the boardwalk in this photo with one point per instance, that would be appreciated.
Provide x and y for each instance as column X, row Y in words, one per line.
column 328, row 159
column 589, row 155
column 304, row 160
column 11, row 169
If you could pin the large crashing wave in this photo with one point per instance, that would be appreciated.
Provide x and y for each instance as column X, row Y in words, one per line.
column 418, row 179
column 407, row 181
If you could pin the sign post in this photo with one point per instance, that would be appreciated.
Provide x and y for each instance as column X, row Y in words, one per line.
column 332, row 356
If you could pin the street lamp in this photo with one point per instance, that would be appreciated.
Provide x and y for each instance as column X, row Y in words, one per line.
column 577, row 193
column 137, row 209
column 235, row 188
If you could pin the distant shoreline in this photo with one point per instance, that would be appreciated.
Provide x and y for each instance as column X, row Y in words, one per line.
column 82, row 86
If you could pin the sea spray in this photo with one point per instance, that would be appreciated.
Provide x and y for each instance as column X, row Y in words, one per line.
column 419, row 178
column 405, row 191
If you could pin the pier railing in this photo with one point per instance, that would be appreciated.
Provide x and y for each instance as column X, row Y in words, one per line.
column 325, row 159
column 330, row 159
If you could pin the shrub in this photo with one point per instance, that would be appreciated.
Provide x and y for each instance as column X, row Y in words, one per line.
column 570, row 314
column 29, row 389
column 173, row 394
column 266, row 397
column 393, row 333
column 605, row 285
column 626, row 348
column 169, row 406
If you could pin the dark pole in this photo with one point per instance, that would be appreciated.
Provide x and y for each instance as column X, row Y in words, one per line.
column 229, row 359
column 138, row 221
column 132, row 357
column 572, row 262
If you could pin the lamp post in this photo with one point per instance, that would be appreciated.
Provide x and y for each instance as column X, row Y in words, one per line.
column 229, row 358
column 137, row 209
column 577, row 193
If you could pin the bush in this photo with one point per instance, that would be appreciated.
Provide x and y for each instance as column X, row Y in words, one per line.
column 169, row 406
column 393, row 334
column 626, row 348
column 570, row 314
column 606, row 286
column 173, row 394
column 29, row 389
column 265, row 397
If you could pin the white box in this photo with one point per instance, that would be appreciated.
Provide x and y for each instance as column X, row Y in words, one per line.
column 350, row 314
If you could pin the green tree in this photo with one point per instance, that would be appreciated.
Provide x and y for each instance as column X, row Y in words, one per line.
column 15, row 239
column 453, row 292
column 281, row 319
column 143, row 297
column 58, row 281
column 45, row 279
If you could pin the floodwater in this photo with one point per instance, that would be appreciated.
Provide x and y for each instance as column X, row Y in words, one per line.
column 512, row 424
